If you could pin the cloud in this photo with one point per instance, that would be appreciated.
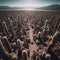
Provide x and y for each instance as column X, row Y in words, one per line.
column 28, row 3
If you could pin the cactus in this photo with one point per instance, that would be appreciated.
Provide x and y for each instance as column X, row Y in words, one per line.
column 3, row 52
column 7, row 44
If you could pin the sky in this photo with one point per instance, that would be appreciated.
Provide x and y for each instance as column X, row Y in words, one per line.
column 28, row 3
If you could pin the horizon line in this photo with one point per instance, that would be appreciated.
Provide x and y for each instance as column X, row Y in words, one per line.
column 30, row 6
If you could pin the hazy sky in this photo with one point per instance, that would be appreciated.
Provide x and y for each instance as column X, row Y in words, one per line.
column 28, row 3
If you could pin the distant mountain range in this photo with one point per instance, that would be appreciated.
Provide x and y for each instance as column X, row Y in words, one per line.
column 51, row 7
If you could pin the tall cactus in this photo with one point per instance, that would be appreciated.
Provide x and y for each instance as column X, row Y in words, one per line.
column 3, row 52
column 7, row 44
column 5, row 28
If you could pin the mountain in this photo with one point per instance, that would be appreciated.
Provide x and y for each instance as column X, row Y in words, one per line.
column 4, row 7
column 51, row 7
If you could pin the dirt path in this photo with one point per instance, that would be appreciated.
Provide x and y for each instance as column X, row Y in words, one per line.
column 32, row 46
